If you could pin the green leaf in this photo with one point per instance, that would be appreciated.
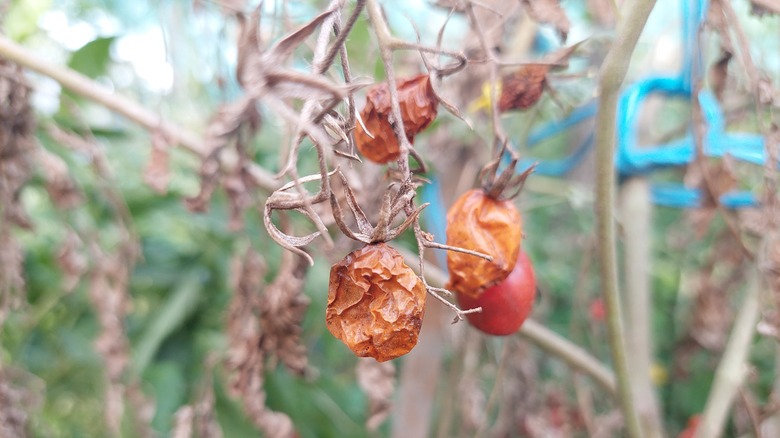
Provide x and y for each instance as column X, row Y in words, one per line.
column 92, row 59
column 22, row 18
column 173, row 313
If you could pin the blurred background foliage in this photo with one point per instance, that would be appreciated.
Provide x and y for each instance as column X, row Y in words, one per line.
column 178, row 58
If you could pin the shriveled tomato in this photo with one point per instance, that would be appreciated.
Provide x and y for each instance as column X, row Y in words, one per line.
column 375, row 303
column 506, row 305
column 523, row 88
column 418, row 109
column 480, row 223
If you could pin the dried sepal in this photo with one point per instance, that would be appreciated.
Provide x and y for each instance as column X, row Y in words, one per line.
column 375, row 303
column 480, row 223
column 418, row 104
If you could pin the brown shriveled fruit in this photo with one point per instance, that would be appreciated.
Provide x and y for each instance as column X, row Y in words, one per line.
column 375, row 303
column 418, row 109
column 483, row 224
column 523, row 88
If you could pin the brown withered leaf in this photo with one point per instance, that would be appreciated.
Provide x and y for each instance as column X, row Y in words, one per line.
column 523, row 88
column 603, row 11
column 548, row 12
column 375, row 303
column 21, row 395
column 245, row 359
column 418, row 105
column 62, row 189
column 282, row 309
column 72, row 261
column 157, row 173
column 718, row 180
column 711, row 314
column 719, row 73
column 480, row 223
column 377, row 380
column 763, row 7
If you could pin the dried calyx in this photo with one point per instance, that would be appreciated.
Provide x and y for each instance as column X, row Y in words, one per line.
column 397, row 199
column 503, row 184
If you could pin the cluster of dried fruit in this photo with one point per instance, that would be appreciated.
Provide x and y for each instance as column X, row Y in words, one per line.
column 504, row 287
column 376, row 302
column 418, row 109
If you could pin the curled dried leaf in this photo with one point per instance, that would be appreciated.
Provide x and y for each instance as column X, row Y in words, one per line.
column 480, row 223
column 548, row 11
column 375, row 303
column 418, row 109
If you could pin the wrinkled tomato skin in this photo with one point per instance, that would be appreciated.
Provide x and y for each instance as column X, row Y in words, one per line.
column 376, row 303
column 480, row 223
column 418, row 104
column 506, row 305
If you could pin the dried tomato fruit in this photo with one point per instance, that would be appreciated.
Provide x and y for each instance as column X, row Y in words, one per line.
column 523, row 88
column 375, row 303
column 506, row 305
column 480, row 223
column 418, row 109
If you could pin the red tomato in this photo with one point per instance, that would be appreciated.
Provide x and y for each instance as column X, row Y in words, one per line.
column 690, row 431
column 506, row 305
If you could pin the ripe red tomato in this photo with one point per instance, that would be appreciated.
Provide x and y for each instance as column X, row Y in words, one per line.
column 506, row 305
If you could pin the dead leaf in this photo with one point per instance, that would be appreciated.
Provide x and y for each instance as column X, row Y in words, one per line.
column 764, row 7
column 548, row 12
column 712, row 314
column 245, row 358
column 72, row 261
column 157, row 173
column 718, row 75
column 377, row 380
column 718, row 180
column 62, row 189
column 603, row 11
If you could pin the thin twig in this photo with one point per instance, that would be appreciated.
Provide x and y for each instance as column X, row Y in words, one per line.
column 544, row 338
column 733, row 366
column 613, row 73
column 89, row 89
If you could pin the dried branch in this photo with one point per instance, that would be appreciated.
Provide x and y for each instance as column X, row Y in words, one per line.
column 732, row 369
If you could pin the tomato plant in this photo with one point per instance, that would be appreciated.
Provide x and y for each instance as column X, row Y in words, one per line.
column 506, row 305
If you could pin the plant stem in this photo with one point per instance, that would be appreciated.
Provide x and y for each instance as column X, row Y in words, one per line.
column 89, row 89
column 732, row 368
column 612, row 74
column 636, row 211
column 544, row 338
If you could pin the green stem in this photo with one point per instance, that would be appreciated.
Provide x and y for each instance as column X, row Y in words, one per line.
column 549, row 341
column 612, row 74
